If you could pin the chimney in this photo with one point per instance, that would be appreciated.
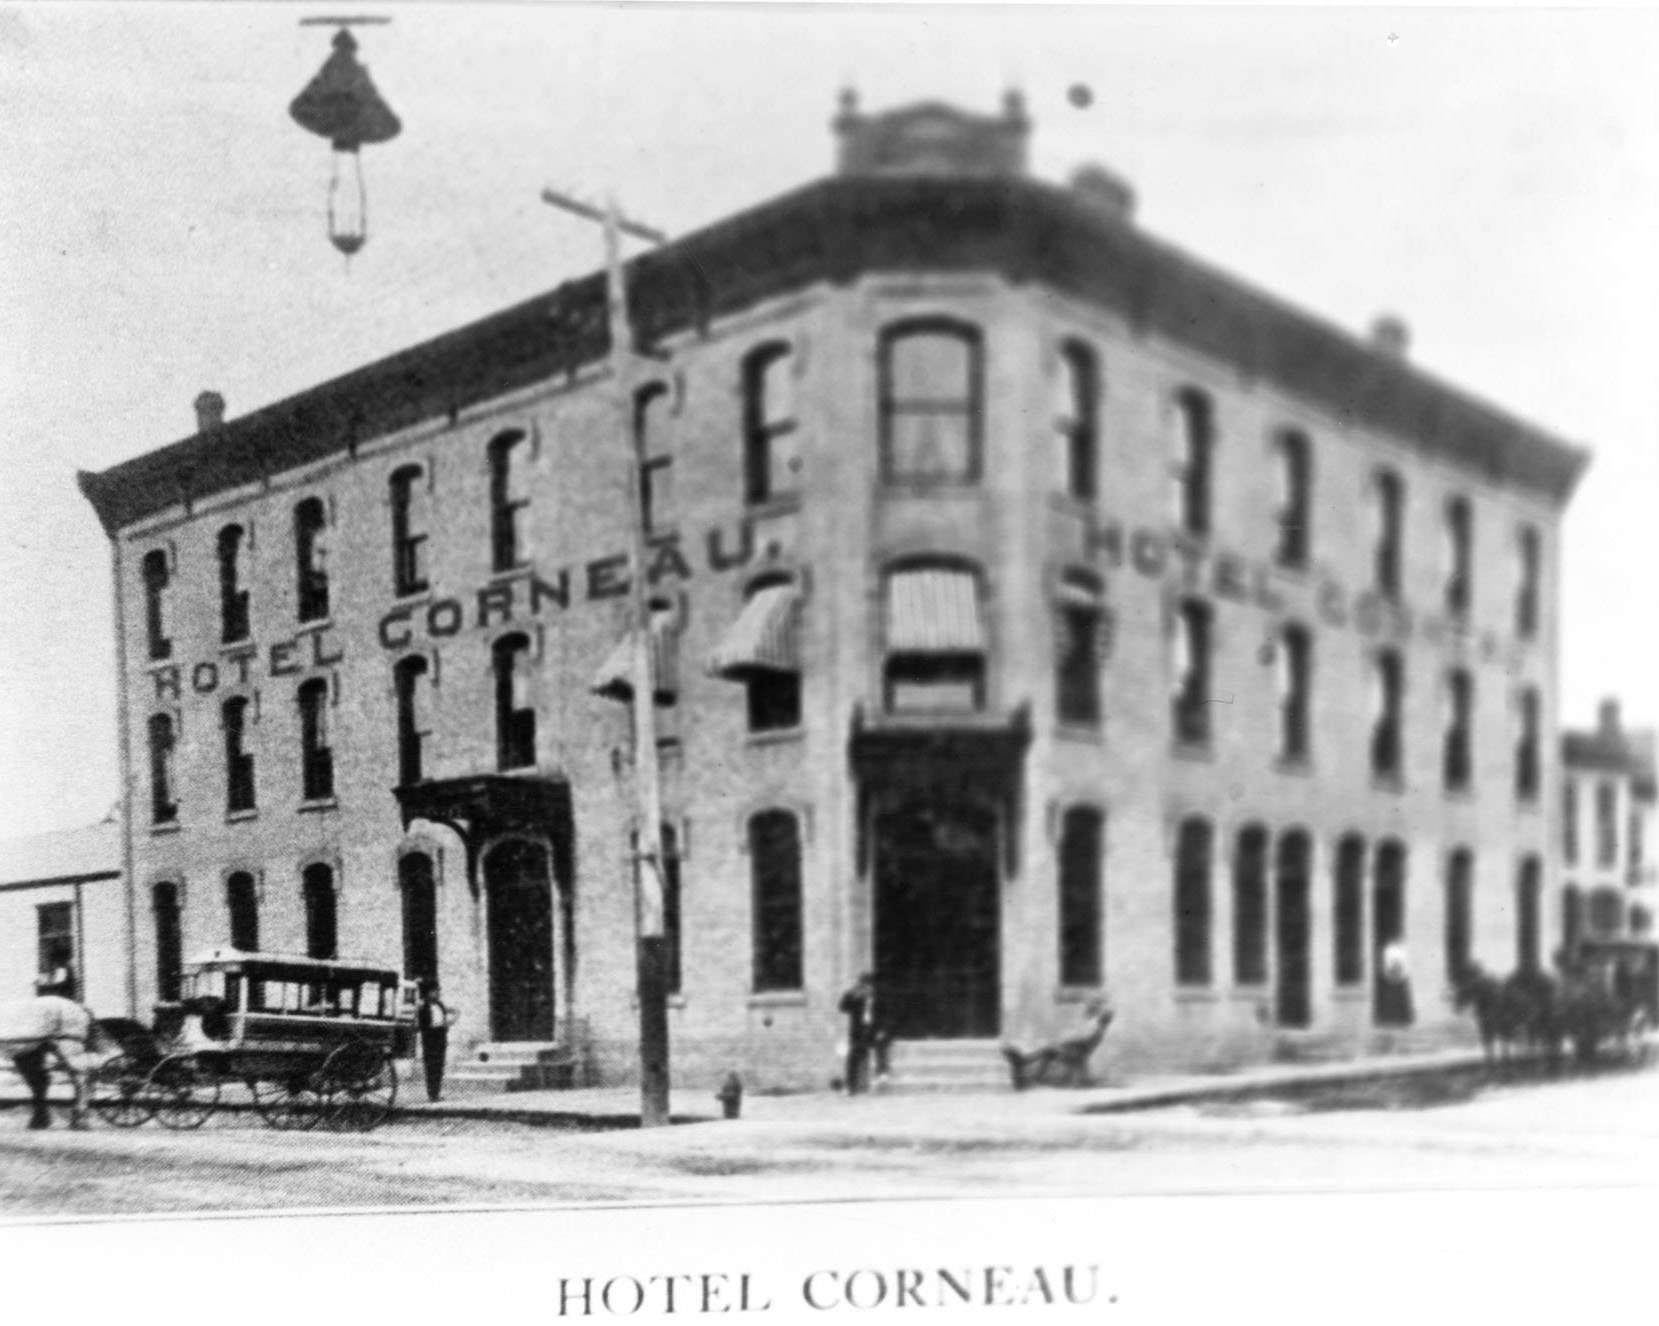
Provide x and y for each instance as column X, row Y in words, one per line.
column 1103, row 192
column 1609, row 723
column 210, row 412
column 1390, row 336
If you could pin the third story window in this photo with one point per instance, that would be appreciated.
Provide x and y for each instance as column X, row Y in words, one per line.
column 233, row 591
column 157, row 619
column 1077, row 420
column 509, row 500
column 771, row 440
column 311, row 559
column 1193, row 465
column 930, row 403
column 409, row 530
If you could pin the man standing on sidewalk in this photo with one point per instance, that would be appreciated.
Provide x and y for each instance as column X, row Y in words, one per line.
column 434, row 1018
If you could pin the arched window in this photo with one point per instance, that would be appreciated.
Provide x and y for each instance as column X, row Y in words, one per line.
column 1081, row 902
column 1529, row 581
column 1348, row 907
column 1079, row 647
column 1457, row 748
column 1528, row 755
column 164, row 903
column 311, row 559
column 1295, row 666
column 509, row 499
column 1391, row 1005
column 771, row 444
column 1388, row 496
column 1292, row 927
column 1190, row 702
column 1194, row 846
column 930, row 402
column 164, row 806
column 1077, row 420
column 233, row 594
column 1293, row 465
column 515, row 715
column 1460, row 558
column 1529, row 887
column 1572, row 919
column 316, row 752
column 157, row 619
column 1193, row 463
column 420, row 916
column 321, row 925
column 1387, row 715
column 414, row 722
column 1607, row 823
column 775, row 877
column 1250, row 862
column 1460, row 912
column 409, row 529
column 239, row 785
column 242, row 902
column 1569, row 819
column 656, row 474
column 935, row 639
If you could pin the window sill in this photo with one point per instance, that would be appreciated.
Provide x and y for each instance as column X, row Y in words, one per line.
column 319, row 805
column 412, row 598
column 1070, row 504
column 783, row 504
column 1351, row 994
column 166, row 660
column 1390, row 783
column 774, row 736
column 1247, row 993
column 672, row 1001
column 1528, row 804
column 238, row 816
column 164, row 828
column 1301, row 767
column 1092, row 734
column 1198, row 752
column 505, row 575
column 1195, row 994
column 1300, row 572
column 894, row 486
column 1463, row 793
column 777, row 999
column 314, row 625
column 1078, row 994
column 231, row 648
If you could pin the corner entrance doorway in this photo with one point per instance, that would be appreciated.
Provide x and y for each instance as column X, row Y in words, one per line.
column 519, row 892
column 937, row 919
column 1293, row 1001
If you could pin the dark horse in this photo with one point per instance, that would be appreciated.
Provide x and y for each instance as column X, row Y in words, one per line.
column 1521, row 1009
column 42, row 1030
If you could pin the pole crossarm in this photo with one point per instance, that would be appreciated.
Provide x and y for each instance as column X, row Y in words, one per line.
column 596, row 212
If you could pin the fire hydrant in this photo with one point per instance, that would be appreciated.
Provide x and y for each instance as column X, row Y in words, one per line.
column 730, row 1095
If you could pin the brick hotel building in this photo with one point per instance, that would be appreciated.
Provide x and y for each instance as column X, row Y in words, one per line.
column 1037, row 611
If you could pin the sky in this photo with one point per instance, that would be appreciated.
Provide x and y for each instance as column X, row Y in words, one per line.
column 1492, row 176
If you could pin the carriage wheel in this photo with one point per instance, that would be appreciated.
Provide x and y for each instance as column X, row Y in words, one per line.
column 116, row 1091
column 361, row 1083
column 182, row 1091
column 293, row 1103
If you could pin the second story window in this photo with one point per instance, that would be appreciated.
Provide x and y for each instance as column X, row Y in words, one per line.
column 509, row 500
column 1569, row 820
column 164, row 805
column 1295, row 664
column 157, row 619
column 242, row 904
column 935, row 640
column 1190, row 695
column 311, row 559
column 1293, row 473
column 930, row 403
column 1077, row 420
column 409, row 534
column 239, row 787
column 1388, row 497
column 316, row 754
column 771, row 442
column 414, row 724
column 1080, row 617
column 1387, row 716
column 1193, row 463
column 656, row 470
column 1636, row 848
column 1457, row 754
column 1528, row 755
column 1460, row 565
column 233, row 593
column 515, row 715
column 1529, row 581
column 321, row 921
column 1607, row 824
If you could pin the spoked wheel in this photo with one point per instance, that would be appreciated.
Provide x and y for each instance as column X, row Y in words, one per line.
column 361, row 1083
column 116, row 1091
column 183, row 1091
column 295, row 1102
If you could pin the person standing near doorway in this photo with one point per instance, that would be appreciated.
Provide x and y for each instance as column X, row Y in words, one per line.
column 865, row 1035
column 434, row 1018
column 1396, row 974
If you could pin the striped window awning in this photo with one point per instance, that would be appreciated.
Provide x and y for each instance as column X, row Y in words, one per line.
column 933, row 611
column 615, row 678
column 764, row 638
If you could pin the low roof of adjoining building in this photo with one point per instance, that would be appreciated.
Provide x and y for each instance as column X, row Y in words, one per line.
column 90, row 852
column 837, row 230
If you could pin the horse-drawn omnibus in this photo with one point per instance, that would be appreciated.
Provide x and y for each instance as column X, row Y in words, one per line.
column 309, row 1040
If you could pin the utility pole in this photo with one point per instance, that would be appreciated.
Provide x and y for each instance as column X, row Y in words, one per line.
column 652, row 943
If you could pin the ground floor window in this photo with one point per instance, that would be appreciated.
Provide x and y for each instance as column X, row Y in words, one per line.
column 55, row 935
column 1529, row 883
column 420, row 917
column 242, row 901
column 321, row 930
column 1349, row 910
column 1250, row 906
column 1460, row 912
column 775, row 869
column 1081, row 836
column 1194, row 844
column 164, row 900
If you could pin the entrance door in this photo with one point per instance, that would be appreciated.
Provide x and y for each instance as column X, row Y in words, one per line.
column 937, row 920
column 1291, row 932
column 521, row 942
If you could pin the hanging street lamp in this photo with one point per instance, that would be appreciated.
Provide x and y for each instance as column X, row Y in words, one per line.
column 342, row 105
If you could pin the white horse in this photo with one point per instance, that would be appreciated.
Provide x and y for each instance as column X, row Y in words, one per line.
column 46, row 1028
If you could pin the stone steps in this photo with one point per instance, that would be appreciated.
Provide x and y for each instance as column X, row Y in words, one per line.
column 513, row 1066
column 946, row 1065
